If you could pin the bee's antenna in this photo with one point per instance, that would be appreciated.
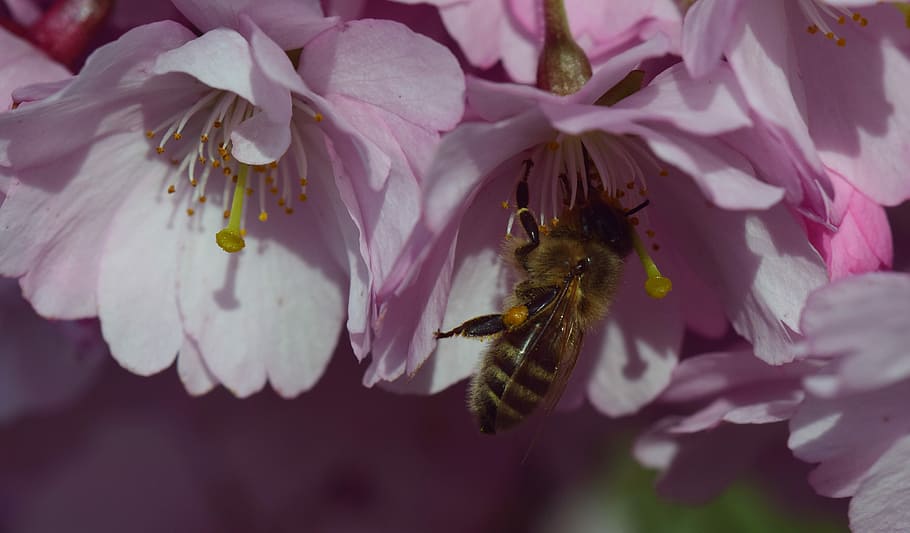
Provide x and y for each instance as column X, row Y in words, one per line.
column 638, row 208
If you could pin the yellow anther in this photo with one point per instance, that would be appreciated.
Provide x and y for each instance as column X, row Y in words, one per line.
column 273, row 190
column 650, row 233
column 273, row 165
column 630, row 185
column 841, row 42
column 829, row 35
column 553, row 146
column 663, row 172
column 303, row 182
column 263, row 216
column 177, row 135
column 302, row 197
column 515, row 316
column 813, row 29
column 249, row 191
column 243, row 232
column 657, row 286
column 259, row 168
column 202, row 199
column 171, row 189
column 634, row 221
column 842, row 19
column 194, row 182
column 270, row 180
column 318, row 117
column 216, row 124
column 230, row 239
column 227, row 214
column 190, row 211
column 227, row 171
column 554, row 222
column 281, row 201
column 216, row 163
column 863, row 22
column 504, row 204
column 149, row 133
column 204, row 138
column 201, row 160
column 289, row 210
column 856, row 17
column 160, row 149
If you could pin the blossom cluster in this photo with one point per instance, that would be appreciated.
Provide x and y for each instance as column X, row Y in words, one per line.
column 238, row 188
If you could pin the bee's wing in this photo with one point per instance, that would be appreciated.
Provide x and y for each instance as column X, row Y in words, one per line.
column 553, row 343
column 565, row 345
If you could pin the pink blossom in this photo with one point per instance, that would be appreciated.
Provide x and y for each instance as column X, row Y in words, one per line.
column 91, row 229
column 511, row 31
column 835, row 102
column 728, row 248
column 854, row 421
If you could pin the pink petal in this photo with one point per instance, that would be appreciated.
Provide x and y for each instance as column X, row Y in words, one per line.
column 863, row 321
column 274, row 309
column 765, row 65
column 386, row 64
column 708, row 28
column 847, row 436
column 865, row 140
column 760, row 263
column 636, row 349
column 291, row 23
column 882, row 502
column 23, row 64
column 223, row 59
column 137, row 277
column 191, row 368
column 477, row 27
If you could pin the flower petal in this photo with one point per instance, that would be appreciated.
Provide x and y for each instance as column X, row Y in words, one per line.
column 760, row 263
column 137, row 277
column 191, row 368
column 386, row 64
column 863, row 322
column 882, row 502
column 708, row 28
column 23, row 64
column 636, row 350
column 288, row 285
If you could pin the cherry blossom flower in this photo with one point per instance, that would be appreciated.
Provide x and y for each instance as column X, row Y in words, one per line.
column 728, row 248
column 226, row 128
column 827, row 82
column 512, row 31
column 853, row 422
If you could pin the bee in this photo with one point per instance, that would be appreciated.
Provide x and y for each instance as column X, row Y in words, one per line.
column 571, row 273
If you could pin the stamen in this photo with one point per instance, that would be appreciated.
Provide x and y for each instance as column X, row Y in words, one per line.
column 657, row 286
column 230, row 239
column 819, row 14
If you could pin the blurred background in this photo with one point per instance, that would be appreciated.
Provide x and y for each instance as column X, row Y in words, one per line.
column 134, row 454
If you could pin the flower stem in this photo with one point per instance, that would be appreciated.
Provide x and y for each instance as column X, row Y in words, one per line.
column 563, row 68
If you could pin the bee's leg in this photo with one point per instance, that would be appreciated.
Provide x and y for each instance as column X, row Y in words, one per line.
column 481, row 326
column 526, row 216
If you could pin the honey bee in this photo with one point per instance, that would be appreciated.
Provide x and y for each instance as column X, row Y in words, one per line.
column 571, row 274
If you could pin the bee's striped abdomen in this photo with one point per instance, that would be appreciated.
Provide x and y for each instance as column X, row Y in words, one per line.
column 508, row 386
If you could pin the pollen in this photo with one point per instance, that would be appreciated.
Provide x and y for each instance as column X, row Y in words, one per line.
column 318, row 117
column 263, row 216
column 515, row 316
column 302, row 197
column 171, row 189
column 822, row 17
column 504, row 204
column 190, row 211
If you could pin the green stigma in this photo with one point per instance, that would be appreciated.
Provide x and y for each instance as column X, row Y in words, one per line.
column 230, row 239
column 657, row 286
